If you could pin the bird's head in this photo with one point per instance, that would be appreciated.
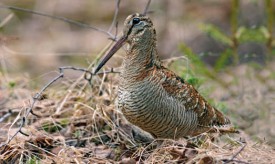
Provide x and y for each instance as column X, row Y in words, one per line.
column 138, row 29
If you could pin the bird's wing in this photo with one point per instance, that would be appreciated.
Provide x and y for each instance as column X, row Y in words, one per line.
column 190, row 98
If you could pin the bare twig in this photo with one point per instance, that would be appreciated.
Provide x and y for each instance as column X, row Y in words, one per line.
column 8, row 114
column 6, row 20
column 87, row 76
column 232, row 159
column 70, row 21
column 146, row 7
column 18, row 131
column 114, row 22
column 238, row 152
column 238, row 161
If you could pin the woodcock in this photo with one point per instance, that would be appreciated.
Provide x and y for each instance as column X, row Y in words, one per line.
column 153, row 97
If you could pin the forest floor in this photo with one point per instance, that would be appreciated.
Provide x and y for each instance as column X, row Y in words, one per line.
column 78, row 122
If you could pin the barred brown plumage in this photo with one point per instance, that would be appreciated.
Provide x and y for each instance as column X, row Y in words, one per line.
column 153, row 97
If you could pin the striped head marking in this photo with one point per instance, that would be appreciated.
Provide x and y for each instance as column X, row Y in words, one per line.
column 138, row 28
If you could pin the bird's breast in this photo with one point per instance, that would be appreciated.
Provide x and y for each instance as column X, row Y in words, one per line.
column 146, row 104
column 135, row 96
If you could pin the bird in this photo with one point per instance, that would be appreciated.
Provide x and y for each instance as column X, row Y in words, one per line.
column 153, row 97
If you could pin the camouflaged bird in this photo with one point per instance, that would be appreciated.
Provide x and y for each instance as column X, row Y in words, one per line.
column 153, row 97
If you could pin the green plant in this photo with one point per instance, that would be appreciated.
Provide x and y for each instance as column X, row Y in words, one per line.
column 33, row 160
column 241, row 34
column 197, row 66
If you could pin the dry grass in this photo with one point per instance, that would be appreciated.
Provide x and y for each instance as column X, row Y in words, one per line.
column 79, row 123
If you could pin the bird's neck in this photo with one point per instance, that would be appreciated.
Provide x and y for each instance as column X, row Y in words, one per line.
column 140, row 57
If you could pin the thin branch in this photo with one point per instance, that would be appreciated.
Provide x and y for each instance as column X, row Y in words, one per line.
column 238, row 161
column 8, row 114
column 147, row 7
column 6, row 20
column 114, row 22
column 232, row 159
column 61, row 75
column 116, row 28
column 70, row 21
column 18, row 131
column 238, row 152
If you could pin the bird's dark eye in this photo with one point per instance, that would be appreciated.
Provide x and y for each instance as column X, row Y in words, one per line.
column 136, row 21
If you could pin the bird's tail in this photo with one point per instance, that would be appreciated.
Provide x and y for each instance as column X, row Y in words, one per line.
column 220, row 119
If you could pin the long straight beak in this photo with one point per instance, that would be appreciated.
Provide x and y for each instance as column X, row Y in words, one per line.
column 114, row 49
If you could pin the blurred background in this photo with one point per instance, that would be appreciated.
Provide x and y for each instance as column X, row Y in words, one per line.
column 230, row 45
column 34, row 43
